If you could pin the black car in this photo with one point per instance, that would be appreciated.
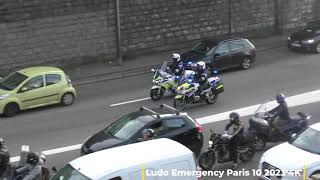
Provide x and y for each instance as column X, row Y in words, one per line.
column 223, row 54
column 165, row 121
column 306, row 39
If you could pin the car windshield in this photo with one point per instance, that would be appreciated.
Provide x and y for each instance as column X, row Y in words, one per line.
column 126, row 127
column 200, row 47
column 314, row 26
column 308, row 140
column 211, row 51
column 69, row 173
column 12, row 81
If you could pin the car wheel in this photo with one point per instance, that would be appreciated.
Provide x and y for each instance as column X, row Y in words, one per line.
column 246, row 63
column 11, row 109
column 67, row 99
column 317, row 48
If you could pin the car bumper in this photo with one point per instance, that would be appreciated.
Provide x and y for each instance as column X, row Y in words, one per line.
column 301, row 46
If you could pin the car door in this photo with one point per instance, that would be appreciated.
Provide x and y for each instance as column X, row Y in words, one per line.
column 237, row 49
column 221, row 56
column 31, row 94
column 54, row 86
column 176, row 129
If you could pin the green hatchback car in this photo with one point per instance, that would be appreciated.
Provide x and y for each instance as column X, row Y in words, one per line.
column 35, row 87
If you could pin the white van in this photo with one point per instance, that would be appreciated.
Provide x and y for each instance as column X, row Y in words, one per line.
column 160, row 159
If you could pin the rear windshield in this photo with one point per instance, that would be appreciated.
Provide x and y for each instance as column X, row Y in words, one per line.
column 69, row 173
column 12, row 81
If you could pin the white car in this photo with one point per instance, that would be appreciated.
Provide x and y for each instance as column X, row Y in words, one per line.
column 300, row 157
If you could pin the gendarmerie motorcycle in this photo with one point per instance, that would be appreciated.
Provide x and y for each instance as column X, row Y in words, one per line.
column 219, row 151
column 260, row 126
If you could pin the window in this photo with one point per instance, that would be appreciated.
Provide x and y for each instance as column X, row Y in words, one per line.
column 200, row 47
column 236, row 46
column 34, row 83
column 69, row 173
column 12, row 81
column 222, row 49
column 174, row 123
column 52, row 79
column 308, row 140
column 157, row 127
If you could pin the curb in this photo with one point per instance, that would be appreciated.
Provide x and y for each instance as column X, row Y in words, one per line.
column 137, row 71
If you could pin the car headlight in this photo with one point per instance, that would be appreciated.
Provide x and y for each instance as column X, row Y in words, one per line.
column 3, row 96
column 289, row 38
column 310, row 41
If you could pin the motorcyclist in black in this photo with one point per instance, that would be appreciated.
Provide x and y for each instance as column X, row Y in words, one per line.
column 236, row 136
column 33, row 169
column 201, row 77
column 5, row 167
column 281, row 114
column 176, row 66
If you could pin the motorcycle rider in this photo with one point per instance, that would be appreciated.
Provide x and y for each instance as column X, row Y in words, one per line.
column 235, row 137
column 176, row 66
column 201, row 77
column 147, row 134
column 5, row 167
column 281, row 114
column 33, row 169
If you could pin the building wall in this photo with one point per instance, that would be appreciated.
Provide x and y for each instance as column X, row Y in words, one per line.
column 63, row 32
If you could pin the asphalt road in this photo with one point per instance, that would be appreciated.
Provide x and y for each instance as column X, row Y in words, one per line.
column 54, row 127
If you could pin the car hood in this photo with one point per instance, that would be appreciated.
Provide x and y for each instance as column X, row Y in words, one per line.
column 303, row 35
column 280, row 155
column 3, row 91
column 101, row 141
column 192, row 56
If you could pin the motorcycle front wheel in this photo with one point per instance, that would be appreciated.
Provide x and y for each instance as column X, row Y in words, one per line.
column 156, row 94
column 180, row 104
column 207, row 160
column 248, row 154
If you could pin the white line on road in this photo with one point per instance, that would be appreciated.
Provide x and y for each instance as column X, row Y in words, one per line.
column 127, row 102
column 297, row 100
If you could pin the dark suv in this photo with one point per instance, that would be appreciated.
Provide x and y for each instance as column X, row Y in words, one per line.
column 222, row 53
column 165, row 121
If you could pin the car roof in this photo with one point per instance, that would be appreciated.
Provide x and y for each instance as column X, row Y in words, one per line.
column 316, row 126
column 105, row 162
column 31, row 71
column 217, row 40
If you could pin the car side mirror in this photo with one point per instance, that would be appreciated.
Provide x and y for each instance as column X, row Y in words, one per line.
column 24, row 89
column 217, row 55
column 54, row 169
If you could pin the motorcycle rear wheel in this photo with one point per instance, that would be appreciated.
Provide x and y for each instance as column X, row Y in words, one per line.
column 180, row 104
column 156, row 94
column 207, row 160
column 248, row 155
column 212, row 98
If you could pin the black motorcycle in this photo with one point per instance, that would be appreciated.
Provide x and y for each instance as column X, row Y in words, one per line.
column 219, row 151
column 260, row 126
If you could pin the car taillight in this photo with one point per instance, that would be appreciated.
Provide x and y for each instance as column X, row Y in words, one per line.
column 199, row 128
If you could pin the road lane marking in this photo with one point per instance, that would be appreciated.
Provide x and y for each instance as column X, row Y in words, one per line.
column 128, row 102
column 293, row 101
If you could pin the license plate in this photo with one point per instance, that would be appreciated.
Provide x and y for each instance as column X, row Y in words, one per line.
column 296, row 45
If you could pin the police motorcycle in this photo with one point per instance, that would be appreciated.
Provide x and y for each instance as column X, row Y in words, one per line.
column 219, row 151
column 260, row 126
column 164, row 82
column 186, row 92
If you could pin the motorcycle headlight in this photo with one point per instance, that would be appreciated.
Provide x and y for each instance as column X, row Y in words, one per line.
column 289, row 38
column 3, row 96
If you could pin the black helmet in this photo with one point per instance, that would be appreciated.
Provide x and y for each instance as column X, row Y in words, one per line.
column 234, row 117
column 148, row 133
column 32, row 158
column 280, row 97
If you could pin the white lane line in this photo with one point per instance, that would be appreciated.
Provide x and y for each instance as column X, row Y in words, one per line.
column 297, row 100
column 127, row 102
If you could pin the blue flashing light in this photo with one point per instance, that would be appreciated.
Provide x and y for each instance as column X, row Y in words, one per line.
column 189, row 62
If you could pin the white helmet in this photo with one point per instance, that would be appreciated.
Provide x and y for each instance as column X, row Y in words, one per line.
column 201, row 64
column 176, row 57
